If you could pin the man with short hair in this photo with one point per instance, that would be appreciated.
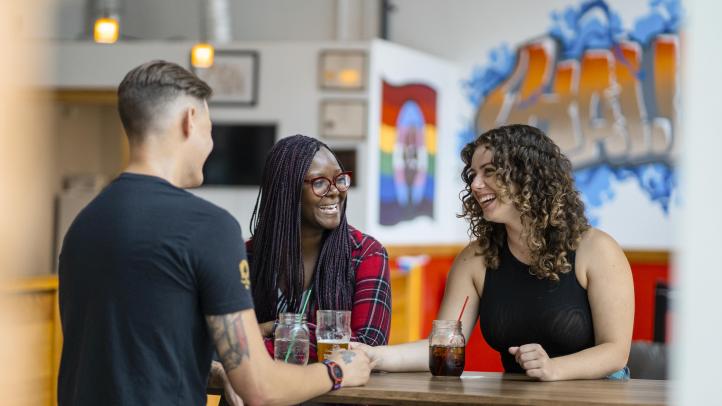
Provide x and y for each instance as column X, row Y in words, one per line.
column 152, row 277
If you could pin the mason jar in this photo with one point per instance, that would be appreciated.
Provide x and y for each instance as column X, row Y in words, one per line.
column 291, row 339
column 446, row 348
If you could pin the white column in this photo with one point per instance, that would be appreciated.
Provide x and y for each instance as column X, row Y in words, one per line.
column 217, row 14
column 349, row 16
column 697, row 317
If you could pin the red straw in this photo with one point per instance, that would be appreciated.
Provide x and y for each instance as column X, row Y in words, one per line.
column 462, row 308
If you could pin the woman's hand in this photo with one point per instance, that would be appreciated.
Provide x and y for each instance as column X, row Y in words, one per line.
column 535, row 361
column 374, row 353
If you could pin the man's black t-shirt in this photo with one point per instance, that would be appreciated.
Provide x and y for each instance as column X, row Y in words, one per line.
column 140, row 267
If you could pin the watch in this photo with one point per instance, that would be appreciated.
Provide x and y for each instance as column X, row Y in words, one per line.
column 335, row 373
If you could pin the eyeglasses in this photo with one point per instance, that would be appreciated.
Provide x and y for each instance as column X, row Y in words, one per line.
column 322, row 185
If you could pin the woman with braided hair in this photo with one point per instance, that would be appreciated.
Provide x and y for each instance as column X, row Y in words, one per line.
column 301, row 242
column 553, row 295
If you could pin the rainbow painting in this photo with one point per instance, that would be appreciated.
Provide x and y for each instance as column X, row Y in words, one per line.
column 407, row 153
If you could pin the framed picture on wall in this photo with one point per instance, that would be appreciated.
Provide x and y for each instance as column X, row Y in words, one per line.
column 233, row 77
column 343, row 118
column 342, row 69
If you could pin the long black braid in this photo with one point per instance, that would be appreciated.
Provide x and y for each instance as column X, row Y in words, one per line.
column 276, row 231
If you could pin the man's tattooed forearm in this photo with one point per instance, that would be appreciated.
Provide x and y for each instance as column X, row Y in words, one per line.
column 230, row 338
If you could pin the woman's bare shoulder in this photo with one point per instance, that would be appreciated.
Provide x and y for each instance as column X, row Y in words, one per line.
column 595, row 241
column 470, row 263
column 599, row 252
column 471, row 254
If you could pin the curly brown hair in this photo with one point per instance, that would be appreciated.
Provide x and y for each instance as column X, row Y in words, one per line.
column 551, row 210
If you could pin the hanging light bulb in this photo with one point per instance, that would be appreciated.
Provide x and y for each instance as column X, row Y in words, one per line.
column 106, row 30
column 215, row 26
column 202, row 55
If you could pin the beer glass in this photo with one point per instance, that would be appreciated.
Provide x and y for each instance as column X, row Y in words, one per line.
column 446, row 348
column 333, row 331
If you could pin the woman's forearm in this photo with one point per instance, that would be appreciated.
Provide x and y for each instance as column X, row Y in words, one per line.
column 404, row 357
column 596, row 362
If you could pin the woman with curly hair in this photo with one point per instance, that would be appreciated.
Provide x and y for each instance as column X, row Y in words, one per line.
column 553, row 295
column 302, row 245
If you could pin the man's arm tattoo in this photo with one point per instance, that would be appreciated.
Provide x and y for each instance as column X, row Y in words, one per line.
column 230, row 338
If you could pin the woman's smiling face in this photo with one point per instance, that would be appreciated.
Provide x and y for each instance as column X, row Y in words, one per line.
column 322, row 212
column 496, row 208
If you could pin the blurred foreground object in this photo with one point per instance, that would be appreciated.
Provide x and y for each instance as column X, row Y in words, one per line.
column 25, row 202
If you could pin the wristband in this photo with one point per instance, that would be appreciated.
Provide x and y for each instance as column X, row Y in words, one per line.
column 335, row 373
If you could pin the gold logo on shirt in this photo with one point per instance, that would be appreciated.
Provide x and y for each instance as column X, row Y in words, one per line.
column 245, row 274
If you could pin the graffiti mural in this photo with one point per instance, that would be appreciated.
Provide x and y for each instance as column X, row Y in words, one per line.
column 407, row 152
column 606, row 95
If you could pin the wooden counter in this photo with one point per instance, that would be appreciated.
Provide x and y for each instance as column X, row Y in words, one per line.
column 490, row 388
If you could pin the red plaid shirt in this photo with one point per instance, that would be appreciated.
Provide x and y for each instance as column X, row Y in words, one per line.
column 371, row 312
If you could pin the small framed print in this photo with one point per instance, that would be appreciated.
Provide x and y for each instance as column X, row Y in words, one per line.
column 342, row 70
column 343, row 119
column 233, row 77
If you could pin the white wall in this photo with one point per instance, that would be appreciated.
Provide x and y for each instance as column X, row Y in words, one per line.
column 399, row 65
column 636, row 223
column 252, row 20
column 464, row 31
column 458, row 30
column 697, row 317
column 288, row 96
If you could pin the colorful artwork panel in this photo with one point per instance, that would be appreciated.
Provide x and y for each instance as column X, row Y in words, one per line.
column 407, row 151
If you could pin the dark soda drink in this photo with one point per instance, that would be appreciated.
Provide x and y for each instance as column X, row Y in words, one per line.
column 445, row 360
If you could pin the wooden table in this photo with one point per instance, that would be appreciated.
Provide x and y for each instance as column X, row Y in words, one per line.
column 489, row 388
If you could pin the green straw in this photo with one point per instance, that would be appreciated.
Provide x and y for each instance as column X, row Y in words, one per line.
column 303, row 311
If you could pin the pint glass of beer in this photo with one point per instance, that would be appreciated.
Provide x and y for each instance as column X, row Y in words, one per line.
column 446, row 348
column 333, row 331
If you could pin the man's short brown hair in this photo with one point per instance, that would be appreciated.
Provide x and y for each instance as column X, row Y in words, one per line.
column 148, row 88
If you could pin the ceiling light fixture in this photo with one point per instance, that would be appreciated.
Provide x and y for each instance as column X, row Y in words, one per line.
column 202, row 55
column 106, row 23
column 106, row 30
column 215, row 29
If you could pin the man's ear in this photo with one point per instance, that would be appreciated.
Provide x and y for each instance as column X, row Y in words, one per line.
column 189, row 116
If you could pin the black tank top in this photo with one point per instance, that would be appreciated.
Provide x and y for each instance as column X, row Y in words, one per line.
column 517, row 308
